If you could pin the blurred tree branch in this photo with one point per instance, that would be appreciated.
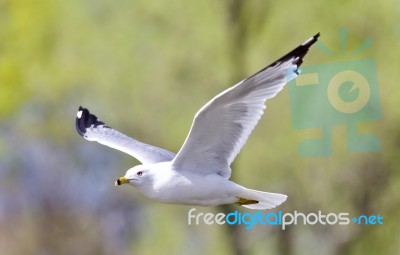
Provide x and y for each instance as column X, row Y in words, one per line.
column 237, row 33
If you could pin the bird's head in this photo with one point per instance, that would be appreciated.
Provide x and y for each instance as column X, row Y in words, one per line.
column 135, row 176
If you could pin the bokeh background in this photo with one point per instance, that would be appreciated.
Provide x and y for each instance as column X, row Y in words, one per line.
column 145, row 68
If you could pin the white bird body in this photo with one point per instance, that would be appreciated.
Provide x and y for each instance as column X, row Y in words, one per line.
column 173, row 186
column 199, row 173
column 161, row 182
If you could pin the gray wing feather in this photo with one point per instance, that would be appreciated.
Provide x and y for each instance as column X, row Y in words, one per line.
column 222, row 126
column 92, row 129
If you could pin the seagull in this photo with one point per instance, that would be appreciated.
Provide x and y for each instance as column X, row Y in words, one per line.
column 199, row 173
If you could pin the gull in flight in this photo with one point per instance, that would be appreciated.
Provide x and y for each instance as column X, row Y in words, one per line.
column 199, row 174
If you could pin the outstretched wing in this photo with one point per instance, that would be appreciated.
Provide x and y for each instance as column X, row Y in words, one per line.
column 222, row 126
column 92, row 129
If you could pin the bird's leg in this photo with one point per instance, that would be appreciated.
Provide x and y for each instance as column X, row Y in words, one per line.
column 245, row 201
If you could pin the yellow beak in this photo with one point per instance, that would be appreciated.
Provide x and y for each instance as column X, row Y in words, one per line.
column 121, row 181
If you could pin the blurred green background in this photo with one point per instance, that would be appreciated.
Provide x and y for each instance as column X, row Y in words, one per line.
column 145, row 68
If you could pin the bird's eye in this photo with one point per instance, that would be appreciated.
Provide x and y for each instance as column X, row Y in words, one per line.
column 139, row 173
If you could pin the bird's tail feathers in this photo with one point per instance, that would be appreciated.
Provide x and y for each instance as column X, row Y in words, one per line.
column 259, row 200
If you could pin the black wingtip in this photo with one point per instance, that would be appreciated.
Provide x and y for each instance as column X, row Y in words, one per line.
column 299, row 52
column 312, row 40
column 84, row 120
